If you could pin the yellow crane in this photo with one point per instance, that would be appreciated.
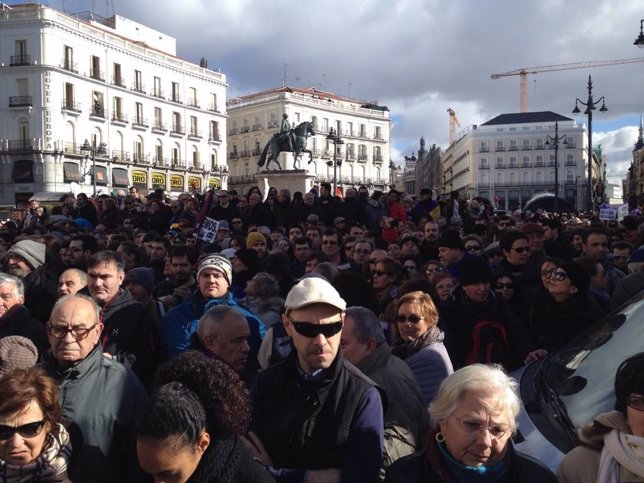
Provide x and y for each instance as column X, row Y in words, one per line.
column 523, row 74
column 453, row 122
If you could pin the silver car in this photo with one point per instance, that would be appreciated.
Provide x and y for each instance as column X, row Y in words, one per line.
column 568, row 388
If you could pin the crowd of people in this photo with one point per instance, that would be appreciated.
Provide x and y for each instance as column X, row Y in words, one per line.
column 315, row 338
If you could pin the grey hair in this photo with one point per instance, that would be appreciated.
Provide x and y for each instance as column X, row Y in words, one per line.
column 65, row 298
column 80, row 273
column 215, row 316
column 266, row 286
column 366, row 324
column 19, row 290
column 328, row 270
column 489, row 380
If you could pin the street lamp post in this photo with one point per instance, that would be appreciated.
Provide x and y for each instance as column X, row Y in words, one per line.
column 639, row 41
column 93, row 149
column 590, row 105
column 555, row 142
column 335, row 162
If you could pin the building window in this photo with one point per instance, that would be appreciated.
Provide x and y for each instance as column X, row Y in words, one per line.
column 484, row 148
column 513, row 145
column 98, row 108
column 117, row 109
column 139, row 114
column 21, row 56
column 176, row 122
column 68, row 59
column 193, row 126
column 23, row 171
column 158, row 118
column 378, row 132
column 213, row 134
column 117, row 75
column 213, row 102
column 95, row 69
column 499, row 146
column 138, row 81
column 158, row 92
column 175, row 92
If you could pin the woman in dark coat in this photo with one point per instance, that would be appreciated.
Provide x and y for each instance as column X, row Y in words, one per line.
column 192, row 424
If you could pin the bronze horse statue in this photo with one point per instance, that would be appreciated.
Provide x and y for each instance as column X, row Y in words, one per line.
column 298, row 136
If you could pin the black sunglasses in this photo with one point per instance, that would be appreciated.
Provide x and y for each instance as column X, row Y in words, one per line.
column 311, row 330
column 521, row 249
column 501, row 285
column 413, row 318
column 29, row 430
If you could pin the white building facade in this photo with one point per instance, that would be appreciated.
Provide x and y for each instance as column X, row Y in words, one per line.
column 153, row 120
column 507, row 160
column 364, row 128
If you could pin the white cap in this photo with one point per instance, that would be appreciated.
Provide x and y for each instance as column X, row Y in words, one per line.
column 314, row 290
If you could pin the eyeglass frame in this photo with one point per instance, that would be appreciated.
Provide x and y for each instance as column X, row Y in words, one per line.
column 412, row 319
column 632, row 397
column 77, row 337
column 333, row 328
column 480, row 428
column 559, row 276
column 12, row 430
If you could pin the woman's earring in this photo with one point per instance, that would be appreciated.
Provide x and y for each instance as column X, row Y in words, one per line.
column 440, row 438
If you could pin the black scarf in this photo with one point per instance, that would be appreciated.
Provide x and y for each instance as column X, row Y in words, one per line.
column 220, row 462
column 406, row 349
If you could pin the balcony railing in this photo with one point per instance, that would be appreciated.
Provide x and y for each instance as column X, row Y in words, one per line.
column 214, row 137
column 97, row 74
column 70, row 105
column 499, row 149
column 118, row 156
column 571, row 163
column 20, row 145
column 248, row 178
column 539, row 147
column 272, row 124
column 257, row 127
column 118, row 81
column 257, row 152
column 484, row 166
column 233, row 131
column 138, row 87
column 526, row 147
column 73, row 148
column 245, row 153
column 70, row 66
column 159, row 126
column 526, row 165
column 499, row 166
column 16, row 60
column 233, row 155
column 362, row 157
column 140, row 122
column 513, row 148
column 160, row 161
column 158, row 93
column 20, row 101
column 213, row 108
column 193, row 103
column 245, row 129
column 177, row 130
column 484, row 150
column 119, row 117
column 377, row 159
column 176, row 98
column 540, row 164
column 140, row 158
column 195, row 133
column 571, row 146
column 98, row 111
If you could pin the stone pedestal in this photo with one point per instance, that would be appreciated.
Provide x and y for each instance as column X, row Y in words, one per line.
column 291, row 179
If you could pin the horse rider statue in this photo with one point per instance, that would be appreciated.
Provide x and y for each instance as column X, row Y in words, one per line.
column 286, row 134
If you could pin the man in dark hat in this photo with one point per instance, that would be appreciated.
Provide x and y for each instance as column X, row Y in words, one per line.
column 451, row 252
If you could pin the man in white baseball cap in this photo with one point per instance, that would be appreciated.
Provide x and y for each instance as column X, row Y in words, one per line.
column 316, row 413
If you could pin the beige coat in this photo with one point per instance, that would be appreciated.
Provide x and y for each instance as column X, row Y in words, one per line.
column 581, row 465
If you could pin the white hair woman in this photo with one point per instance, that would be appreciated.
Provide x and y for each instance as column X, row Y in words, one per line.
column 473, row 418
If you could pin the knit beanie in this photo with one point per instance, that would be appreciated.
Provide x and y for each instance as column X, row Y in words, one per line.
column 475, row 270
column 253, row 237
column 16, row 352
column 144, row 276
column 217, row 262
column 32, row 251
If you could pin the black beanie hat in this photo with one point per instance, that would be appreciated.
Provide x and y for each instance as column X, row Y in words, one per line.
column 451, row 239
column 248, row 256
column 475, row 270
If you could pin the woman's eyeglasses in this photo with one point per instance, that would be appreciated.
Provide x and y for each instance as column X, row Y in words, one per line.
column 472, row 248
column 636, row 402
column 521, row 249
column 501, row 286
column 546, row 273
column 29, row 430
column 413, row 318
column 475, row 427
column 311, row 330
column 559, row 276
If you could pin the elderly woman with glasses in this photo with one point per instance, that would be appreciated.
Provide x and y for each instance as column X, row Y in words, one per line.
column 420, row 342
column 611, row 444
column 35, row 446
column 473, row 418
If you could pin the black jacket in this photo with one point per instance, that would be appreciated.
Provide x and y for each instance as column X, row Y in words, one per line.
column 41, row 290
column 16, row 321
column 129, row 334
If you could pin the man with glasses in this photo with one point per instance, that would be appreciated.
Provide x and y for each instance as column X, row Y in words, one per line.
column 620, row 254
column 96, row 392
column 316, row 416
column 361, row 251
column 224, row 209
column 331, row 248
column 81, row 247
column 301, row 252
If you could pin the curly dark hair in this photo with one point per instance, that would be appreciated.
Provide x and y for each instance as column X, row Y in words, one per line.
column 194, row 392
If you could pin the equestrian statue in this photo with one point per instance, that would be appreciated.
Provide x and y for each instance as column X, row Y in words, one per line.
column 287, row 140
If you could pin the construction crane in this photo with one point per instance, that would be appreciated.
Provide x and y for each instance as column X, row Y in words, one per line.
column 523, row 74
column 453, row 122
